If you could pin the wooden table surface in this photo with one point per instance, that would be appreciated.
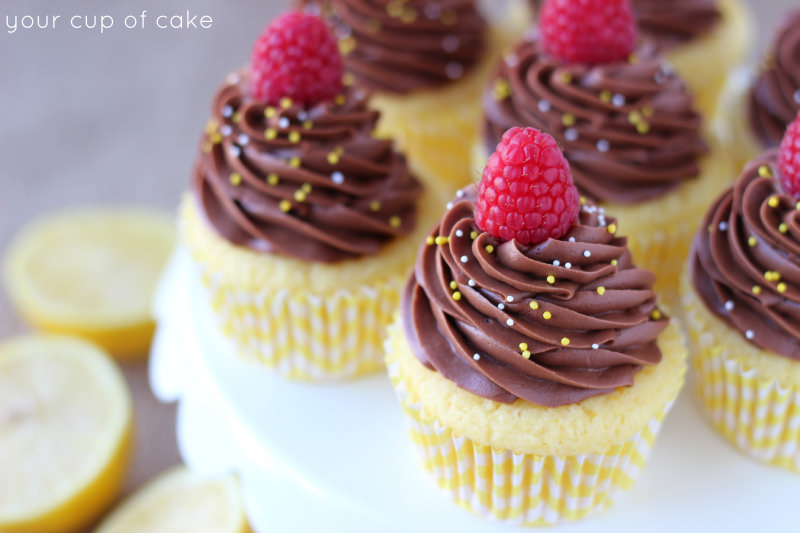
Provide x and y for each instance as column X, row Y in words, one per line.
column 91, row 118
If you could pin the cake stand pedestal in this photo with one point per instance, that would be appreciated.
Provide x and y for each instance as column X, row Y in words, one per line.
column 335, row 457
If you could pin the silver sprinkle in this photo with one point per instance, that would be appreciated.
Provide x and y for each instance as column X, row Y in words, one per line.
column 510, row 322
column 603, row 145
column 571, row 239
column 471, row 283
column 556, row 262
column 509, row 298
column 337, row 177
column 618, row 100
column 459, row 233
column 226, row 130
column 243, row 139
column 595, row 346
column 749, row 334
column 587, row 253
column 236, row 151
column 544, row 106
column 460, row 193
column 501, row 306
column 567, row 265
column 283, row 122
column 723, row 226
column 729, row 305
column 227, row 111
column 464, row 259
column 571, row 134
column 476, row 356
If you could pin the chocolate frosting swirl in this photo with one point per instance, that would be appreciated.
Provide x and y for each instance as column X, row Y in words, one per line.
column 305, row 182
column 774, row 97
column 627, row 128
column 670, row 24
column 400, row 47
column 745, row 259
column 552, row 323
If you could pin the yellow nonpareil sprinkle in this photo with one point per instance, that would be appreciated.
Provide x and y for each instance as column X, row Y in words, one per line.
column 473, row 235
column 656, row 314
column 333, row 158
column 395, row 8
column 211, row 126
column 449, row 17
column 375, row 206
column 306, row 188
column 440, row 240
column 294, row 136
column 285, row 205
column 605, row 96
column 206, row 148
column 269, row 112
column 601, row 290
column 235, row 178
column 633, row 58
column 564, row 341
column 286, row 102
column 295, row 162
column 614, row 262
column 752, row 241
column 764, row 171
column 348, row 79
column 270, row 133
column 502, row 89
column 272, row 178
column 551, row 279
column 373, row 26
column 583, row 200
column 453, row 285
column 300, row 196
column 534, row 305
column 307, row 125
column 771, row 275
column 526, row 354
column 456, row 296
column 634, row 117
column 394, row 221
column 647, row 111
column 566, row 77
column 429, row 240
column 523, row 346
column 781, row 287
column 216, row 137
column 489, row 249
column 773, row 201
column 547, row 315
column 756, row 289
column 409, row 15
column 340, row 99
column 568, row 119
column 612, row 229
column 643, row 127
column 236, row 118
column 783, row 228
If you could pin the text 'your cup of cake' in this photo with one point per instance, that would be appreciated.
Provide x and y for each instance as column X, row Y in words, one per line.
column 302, row 223
column 530, row 355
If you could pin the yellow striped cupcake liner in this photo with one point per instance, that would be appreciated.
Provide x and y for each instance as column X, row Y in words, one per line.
column 758, row 416
column 518, row 488
column 306, row 336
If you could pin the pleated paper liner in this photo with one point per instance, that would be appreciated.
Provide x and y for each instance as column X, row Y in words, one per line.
column 756, row 413
column 307, row 336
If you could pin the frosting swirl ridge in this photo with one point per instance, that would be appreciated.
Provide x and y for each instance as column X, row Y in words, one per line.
column 673, row 23
column 400, row 47
column 552, row 323
column 308, row 182
column 628, row 129
column 774, row 97
column 745, row 259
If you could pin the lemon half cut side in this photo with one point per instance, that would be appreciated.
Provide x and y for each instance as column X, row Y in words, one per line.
column 65, row 433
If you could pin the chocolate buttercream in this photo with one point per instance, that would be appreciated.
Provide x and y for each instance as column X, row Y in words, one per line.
column 671, row 23
column 400, row 47
column 305, row 182
column 627, row 128
column 552, row 323
column 745, row 259
column 774, row 97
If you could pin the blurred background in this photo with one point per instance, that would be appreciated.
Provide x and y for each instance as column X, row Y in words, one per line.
column 114, row 117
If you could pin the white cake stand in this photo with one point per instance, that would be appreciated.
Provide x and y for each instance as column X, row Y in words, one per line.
column 335, row 457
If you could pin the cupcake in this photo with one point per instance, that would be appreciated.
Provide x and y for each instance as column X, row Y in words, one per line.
column 530, row 355
column 624, row 120
column 758, row 109
column 301, row 222
column 426, row 64
column 692, row 32
column 741, row 294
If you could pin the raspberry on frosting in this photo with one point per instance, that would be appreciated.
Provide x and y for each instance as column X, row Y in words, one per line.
column 526, row 192
column 296, row 57
column 588, row 31
column 789, row 159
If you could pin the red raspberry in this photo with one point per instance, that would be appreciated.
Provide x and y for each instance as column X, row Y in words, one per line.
column 297, row 57
column 526, row 192
column 789, row 159
column 588, row 31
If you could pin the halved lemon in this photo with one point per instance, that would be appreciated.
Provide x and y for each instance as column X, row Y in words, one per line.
column 65, row 433
column 91, row 273
column 178, row 501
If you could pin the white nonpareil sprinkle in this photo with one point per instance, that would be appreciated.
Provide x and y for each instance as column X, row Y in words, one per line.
column 571, row 134
column 459, row 233
column 797, row 96
column 587, row 253
column 243, row 139
column 510, row 322
column 226, row 130
column 302, row 115
column 595, row 346
column 283, row 122
column 618, row 100
column 556, row 262
column 454, row 70
column 433, row 10
column 235, row 151
column 729, row 305
column 749, row 334
column 233, row 78
column 464, row 259
column 450, row 43
column 571, row 239
column 501, row 306
column 509, row 298
column 512, row 60
column 227, row 111
column 723, row 226
column 460, row 193
column 337, row 177
column 449, row 205
column 476, row 356
column 544, row 106
column 567, row 265
column 471, row 283
column 603, row 145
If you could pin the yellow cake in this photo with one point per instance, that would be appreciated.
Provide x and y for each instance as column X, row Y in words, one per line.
column 534, row 374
